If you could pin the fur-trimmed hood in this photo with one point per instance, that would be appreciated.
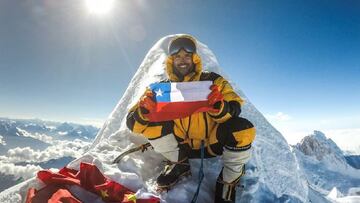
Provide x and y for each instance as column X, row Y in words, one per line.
column 193, row 76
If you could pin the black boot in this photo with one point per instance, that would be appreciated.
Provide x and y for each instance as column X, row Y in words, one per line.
column 172, row 173
column 226, row 192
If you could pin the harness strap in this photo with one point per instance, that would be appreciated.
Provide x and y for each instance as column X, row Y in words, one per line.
column 186, row 141
column 201, row 172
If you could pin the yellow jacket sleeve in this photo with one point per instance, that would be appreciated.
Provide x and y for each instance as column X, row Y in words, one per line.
column 231, row 107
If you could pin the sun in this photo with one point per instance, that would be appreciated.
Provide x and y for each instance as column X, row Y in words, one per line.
column 99, row 7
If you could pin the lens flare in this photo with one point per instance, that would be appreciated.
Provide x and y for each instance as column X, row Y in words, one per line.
column 99, row 6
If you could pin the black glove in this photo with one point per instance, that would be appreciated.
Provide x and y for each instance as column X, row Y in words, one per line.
column 234, row 108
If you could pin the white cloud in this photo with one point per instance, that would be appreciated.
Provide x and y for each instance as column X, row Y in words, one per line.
column 278, row 117
column 38, row 136
column 2, row 142
column 62, row 133
column 59, row 149
column 92, row 121
column 344, row 131
column 347, row 139
column 341, row 121
column 25, row 172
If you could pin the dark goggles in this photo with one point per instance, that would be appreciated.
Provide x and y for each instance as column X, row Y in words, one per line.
column 182, row 43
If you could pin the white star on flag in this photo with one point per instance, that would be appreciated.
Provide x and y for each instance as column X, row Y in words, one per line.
column 159, row 93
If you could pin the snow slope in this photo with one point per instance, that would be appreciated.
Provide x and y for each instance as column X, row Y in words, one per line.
column 353, row 160
column 326, row 168
column 273, row 174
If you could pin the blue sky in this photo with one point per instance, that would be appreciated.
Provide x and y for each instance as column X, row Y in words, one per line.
column 301, row 58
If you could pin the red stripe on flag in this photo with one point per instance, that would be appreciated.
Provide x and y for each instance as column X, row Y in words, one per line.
column 166, row 111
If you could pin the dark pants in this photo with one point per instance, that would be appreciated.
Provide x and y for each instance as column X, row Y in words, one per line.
column 236, row 134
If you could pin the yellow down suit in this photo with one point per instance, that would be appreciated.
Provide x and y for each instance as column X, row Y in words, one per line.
column 224, row 129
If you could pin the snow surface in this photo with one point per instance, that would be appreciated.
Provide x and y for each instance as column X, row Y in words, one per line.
column 272, row 175
column 338, row 197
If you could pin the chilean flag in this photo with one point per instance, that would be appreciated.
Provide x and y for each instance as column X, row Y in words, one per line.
column 179, row 99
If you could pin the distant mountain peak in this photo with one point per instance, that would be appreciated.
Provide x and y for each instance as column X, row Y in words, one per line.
column 325, row 166
column 319, row 135
column 324, row 149
column 318, row 145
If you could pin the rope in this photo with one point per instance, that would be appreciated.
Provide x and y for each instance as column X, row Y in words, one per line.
column 201, row 172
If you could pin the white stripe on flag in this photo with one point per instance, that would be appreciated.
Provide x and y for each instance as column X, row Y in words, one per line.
column 190, row 91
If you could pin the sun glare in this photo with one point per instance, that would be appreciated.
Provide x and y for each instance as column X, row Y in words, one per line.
column 99, row 6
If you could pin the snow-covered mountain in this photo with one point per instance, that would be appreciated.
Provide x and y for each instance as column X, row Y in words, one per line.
column 7, row 181
column 12, row 136
column 24, row 127
column 323, row 149
column 325, row 166
column 29, row 145
column 274, row 174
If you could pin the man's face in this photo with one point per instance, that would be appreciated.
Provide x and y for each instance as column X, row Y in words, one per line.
column 183, row 63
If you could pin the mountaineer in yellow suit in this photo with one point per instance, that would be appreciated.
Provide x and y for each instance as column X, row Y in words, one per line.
column 221, row 129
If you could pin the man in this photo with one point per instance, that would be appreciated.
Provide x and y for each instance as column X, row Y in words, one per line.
column 221, row 129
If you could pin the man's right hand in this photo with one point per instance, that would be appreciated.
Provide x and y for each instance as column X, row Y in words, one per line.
column 215, row 99
column 147, row 104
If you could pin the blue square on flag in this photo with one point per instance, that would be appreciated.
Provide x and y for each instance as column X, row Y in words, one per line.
column 161, row 91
